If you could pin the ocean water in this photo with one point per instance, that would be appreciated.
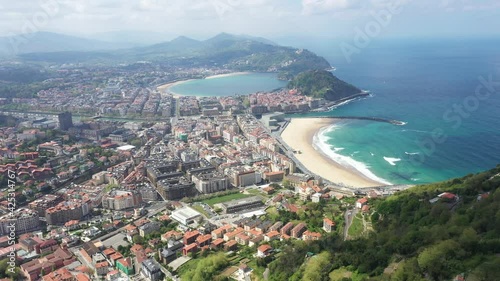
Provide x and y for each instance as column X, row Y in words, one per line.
column 421, row 83
column 230, row 85
column 450, row 131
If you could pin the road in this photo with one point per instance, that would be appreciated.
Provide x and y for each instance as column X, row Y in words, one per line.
column 348, row 217
column 167, row 273
column 153, row 210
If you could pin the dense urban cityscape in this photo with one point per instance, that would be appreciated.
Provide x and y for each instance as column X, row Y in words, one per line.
column 101, row 197
column 222, row 140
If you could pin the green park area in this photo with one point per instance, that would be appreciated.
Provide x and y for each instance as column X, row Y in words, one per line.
column 225, row 198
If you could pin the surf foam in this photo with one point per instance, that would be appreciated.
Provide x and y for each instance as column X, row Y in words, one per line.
column 392, row 161
column 320, row 143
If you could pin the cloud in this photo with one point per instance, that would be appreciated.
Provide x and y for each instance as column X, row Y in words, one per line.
column 310, row 7
column 259, row 17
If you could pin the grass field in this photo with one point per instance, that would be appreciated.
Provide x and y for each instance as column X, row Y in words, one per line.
column 190, row 265
column 272, row 213
column 222, row 199
column 356, row 228
column 254, row 191
column 200, row 209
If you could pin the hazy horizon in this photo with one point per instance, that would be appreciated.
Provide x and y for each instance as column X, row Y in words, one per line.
column 202, row 19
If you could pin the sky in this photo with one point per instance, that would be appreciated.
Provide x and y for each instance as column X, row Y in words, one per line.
column 268, row 18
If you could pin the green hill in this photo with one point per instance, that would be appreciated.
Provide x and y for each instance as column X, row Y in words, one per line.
column 323, row 84
column 414, row 238
column 235, row 52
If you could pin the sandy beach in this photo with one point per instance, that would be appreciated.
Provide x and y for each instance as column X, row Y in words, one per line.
column 166, row 88
column 299, row 135
column 227, row 75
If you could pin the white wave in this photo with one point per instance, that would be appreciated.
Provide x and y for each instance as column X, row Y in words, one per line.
column 370, row 95
column 412, row 153
column 372, row 154
column 340, row 104
column 320, row 143
column 324, row 132
column 392, row 161
column 415, row 179
column 416, row 131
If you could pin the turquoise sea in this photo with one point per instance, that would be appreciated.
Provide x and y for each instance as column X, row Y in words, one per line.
column 431, row 85
column 243, row 84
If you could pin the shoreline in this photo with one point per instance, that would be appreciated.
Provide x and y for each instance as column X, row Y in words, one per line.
column 228, row 75
column 166, row 87
column 300, row 134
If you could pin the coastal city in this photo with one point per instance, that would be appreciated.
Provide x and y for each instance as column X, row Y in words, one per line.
column 224, row 140
column 145, row 181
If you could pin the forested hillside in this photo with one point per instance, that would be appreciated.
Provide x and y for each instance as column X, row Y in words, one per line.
column 414, row 238
column 323, row 84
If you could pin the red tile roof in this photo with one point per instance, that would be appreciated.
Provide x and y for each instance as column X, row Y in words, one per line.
column 126, row 262
column 264, row 248
column 362, row 200
column 329, row 221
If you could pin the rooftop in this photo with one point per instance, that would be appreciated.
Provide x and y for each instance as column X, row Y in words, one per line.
column 238, row 202
column 185, row 213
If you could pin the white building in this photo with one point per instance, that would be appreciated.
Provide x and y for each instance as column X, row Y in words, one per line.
column 120, row 200
column 185, row 215
column 316, row 197
column 210, row 182
column 23, row 221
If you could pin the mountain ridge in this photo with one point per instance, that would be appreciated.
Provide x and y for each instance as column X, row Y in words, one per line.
column 235, row 52
column 50, row 42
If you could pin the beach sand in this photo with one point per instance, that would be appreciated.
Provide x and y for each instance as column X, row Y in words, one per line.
column 165, row 89
column 299, row 135
column 227, row 75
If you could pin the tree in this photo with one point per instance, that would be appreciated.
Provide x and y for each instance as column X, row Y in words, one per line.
column 137, row 239
column 246, row 102
column 408, row 271
column 3, row 268
column 14, row 275
column 137, row 142
column 486, row 271
column 287, row 184
column 275, row 185
column 318, row 267
column 207, row 268
column 439, row 260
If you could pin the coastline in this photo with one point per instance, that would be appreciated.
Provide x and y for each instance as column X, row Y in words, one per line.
column 228, row 75
column 300, row 134
column 166, row 87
